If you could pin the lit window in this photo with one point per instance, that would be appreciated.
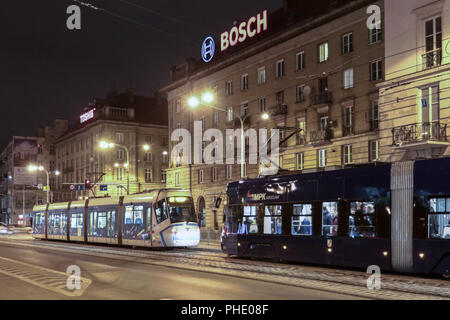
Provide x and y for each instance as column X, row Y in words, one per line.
column 148, row 175
column 348, row 79
column 347, row 154
column 229, row 171
column 323, row 52
column 322, row 158
column 362, row 222
column 273, row 219
column 302, row 220
column 330, row 219
column 374, row 150
column 249, row 225
column 439, row 218
column 230, row 115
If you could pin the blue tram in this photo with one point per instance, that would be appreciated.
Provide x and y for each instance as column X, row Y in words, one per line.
column 159, row 218
column 395, row 216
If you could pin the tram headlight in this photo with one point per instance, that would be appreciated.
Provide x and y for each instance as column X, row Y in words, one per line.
column 385, row 253
column 422, row 255
column 284, row 247
column 330, row 250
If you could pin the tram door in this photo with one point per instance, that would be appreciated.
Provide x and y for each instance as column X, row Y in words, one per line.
column 148, row 226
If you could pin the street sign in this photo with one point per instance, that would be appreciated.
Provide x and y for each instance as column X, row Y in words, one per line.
column 40, row 186
column 79, row 187
column 103, row 188
column 72, row 187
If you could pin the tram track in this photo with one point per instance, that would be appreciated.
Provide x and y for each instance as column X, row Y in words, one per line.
column 351, row 282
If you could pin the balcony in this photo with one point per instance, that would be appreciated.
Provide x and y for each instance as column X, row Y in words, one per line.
column 322, row 101
column 420, row 136
column 321, row 137
column 432, row 59
column 278, row 110
column 301, row 139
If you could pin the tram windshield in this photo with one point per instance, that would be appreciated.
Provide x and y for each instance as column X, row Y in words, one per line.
column 181, row 209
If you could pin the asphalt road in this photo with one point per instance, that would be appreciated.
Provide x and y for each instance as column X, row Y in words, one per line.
column 32, row 273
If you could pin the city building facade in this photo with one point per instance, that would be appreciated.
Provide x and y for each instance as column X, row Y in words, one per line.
column 133, row 130
column 313, row 75
column 414, row 99
column 21, row 189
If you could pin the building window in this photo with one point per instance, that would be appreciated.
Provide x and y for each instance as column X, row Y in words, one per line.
column 300, row 61
column 375, row 35
column 262, row 104
column 280, row 98
column 302, row 220
column 433, row 42
column 299, row 161
column 163, row 175
column 430, row 109
column 244, row 82
column 439, row 218
column 200, row 176
column 120, row 154
column 119, row 137
column 322, row 158
column 362, row 222
column 244, row 109
column 347, row 154
column 300, row 94
column 323, row 124
column 262, row 75
column 213, row 174
column 229, row 88
column 348, row 121
column 323, row 52
column 148, row 175
column 52, row 149
column 301, row 125
column 330, row 219
column 374, row 122
column 376, row 70
column 164, row 157
column 280, row 68
column 347, row 43
column 148, row 156
column 230, row 115
column 272, row 220
column 216, row 118
column 229, row 171
column 348, row 79
column 374, row 150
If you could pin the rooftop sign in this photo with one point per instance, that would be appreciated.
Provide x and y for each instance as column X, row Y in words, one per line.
column 87, row 116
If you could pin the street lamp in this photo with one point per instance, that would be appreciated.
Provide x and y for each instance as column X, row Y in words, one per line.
column 206, row 100
column 34, row 168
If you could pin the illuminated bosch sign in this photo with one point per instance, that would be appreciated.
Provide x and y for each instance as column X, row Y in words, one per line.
column 87, row 116
column 238, row 34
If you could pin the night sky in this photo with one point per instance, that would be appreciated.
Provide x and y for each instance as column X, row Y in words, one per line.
column 49, row 72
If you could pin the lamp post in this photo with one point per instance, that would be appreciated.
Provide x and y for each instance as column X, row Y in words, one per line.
column 109, row 145
column 206, row 100
column 34, row 168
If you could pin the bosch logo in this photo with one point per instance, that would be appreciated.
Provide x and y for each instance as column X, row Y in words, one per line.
column 208, row 49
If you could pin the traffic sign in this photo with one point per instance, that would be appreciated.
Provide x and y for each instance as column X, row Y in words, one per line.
column 72, row 187
column 103, row 188
column 79, row 187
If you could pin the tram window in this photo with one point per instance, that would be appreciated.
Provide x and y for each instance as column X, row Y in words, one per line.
column 249, row 224
column 161, row 211
column 272, row 219
column 302, row 220
column 361, row 223
column 129, row 215
column 439, row 218
column 148, row 217
column 101, row 222
column 330, row 219
column 57, row 221
column 93, row 223
column 138, row 215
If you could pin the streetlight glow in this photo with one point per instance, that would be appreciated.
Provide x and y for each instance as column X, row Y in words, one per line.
column 193, row 102
column 265, row 116
column 146, row 147
column 207, row 97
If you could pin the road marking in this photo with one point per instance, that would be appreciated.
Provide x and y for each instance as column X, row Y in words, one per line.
column 49, row 279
